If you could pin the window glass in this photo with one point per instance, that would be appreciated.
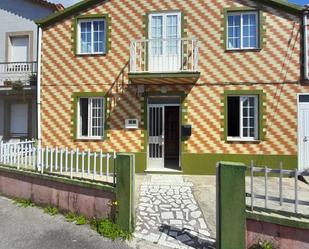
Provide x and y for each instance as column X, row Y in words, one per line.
column 92, row 36
column 242, row 30
column 91, row 121
column 234, row 31
column 242, row 117
column 156, row 35
column 172, row 33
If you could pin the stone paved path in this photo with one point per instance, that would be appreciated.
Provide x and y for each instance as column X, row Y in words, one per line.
column 168, row 214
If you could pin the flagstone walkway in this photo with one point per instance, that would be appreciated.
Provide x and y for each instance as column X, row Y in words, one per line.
column 168, row 214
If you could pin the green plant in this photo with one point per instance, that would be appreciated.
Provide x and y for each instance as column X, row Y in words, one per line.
column 33, row 79
column 263, row 245
column 23, row 202
column 51, row 210
column 80, row 220
column 109, row 229
column 70, row 217
column 17, row 85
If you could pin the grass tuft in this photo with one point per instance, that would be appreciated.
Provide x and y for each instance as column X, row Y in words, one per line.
column 70, row 217
column 109, row 229
column 80, row 220
column 51, row 210
column 23, row 202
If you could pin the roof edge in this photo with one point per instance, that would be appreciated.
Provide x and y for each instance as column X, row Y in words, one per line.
column 46, row 21
column 282, row 4
column 52, row 6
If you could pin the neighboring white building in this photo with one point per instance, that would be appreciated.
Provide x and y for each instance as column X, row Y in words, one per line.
column 18, row 56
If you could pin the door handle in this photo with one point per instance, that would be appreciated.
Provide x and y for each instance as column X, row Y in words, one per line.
column 305, row 139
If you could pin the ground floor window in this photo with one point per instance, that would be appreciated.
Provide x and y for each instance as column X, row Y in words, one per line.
column 242, row 120
column 91, row 117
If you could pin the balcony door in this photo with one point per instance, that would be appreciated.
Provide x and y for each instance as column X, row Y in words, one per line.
column 164, row 42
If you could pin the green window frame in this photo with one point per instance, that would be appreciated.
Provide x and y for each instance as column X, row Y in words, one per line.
column 75, row 105
column 260, row 114
column 260, row 27
column 82, row 18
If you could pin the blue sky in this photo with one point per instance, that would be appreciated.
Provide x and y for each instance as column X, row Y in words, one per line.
column 300, row 2
column 69, row 2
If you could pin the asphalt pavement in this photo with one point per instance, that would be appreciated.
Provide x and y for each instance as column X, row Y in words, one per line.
column 31, row 228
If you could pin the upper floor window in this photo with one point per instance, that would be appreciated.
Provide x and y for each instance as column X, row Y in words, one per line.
column 242, row 30
column 91, row 36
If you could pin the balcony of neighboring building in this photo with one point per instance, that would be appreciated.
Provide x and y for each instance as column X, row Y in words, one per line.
column 16, row 75
column 164, row 61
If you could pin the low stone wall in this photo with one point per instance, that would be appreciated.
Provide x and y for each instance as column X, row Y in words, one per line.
column 288, row 236
column 87, row 198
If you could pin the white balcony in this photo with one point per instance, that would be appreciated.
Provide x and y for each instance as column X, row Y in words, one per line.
column 18, row 72
column 164, row 58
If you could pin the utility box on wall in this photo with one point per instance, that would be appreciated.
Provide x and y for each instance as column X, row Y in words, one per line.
column 186, row 130
column 131, row 123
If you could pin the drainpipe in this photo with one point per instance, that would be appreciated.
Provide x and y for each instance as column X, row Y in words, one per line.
column 39, row 86
column 305, row 39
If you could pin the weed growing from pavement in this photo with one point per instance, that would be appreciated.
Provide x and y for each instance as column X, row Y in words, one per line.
column 51, row 210
column 109, row 229
column 23, row 202
column 80, row 220
column 104, row 227
column 70, row 217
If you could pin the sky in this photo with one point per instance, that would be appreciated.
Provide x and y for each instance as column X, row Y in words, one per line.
column 67, row 3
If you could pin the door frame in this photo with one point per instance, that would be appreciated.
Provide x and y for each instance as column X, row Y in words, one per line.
column 163, row 127
column 298, row 128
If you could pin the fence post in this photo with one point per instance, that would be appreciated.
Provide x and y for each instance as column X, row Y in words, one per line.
column 125, row 191
column 231, row 205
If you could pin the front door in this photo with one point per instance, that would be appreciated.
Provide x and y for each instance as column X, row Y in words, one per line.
column 164, row 42
column 163, row 136
column 156, row 136
column 303, row 132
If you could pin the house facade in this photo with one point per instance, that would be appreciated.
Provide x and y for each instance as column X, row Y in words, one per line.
column 181, row 84
column 18, row 66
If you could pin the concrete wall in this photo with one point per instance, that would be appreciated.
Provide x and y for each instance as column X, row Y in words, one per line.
column 280, row 236
column 19, row 15
column 88, row 199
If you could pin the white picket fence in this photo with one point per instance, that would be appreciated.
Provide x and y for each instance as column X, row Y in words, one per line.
column 88, row 165
column 278, row 189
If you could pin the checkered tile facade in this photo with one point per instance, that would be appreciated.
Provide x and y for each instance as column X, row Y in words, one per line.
column 276, row 70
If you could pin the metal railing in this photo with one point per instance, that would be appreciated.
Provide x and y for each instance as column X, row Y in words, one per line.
column 17, row 71
column 164, row 55
column 282, row 192
column 97, row 166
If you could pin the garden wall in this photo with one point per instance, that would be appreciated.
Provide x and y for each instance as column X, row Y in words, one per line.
column 91, row 199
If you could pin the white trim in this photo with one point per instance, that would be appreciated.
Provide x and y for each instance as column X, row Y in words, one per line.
column 241, row 13
column 90, row 125
column 298, row 127
column 241, row 138
column 39, row 86
column 78, row 36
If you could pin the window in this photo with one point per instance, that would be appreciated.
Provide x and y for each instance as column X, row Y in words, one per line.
column 91, row 117
column 242, row 117
column 242, row 30
column 91, row 36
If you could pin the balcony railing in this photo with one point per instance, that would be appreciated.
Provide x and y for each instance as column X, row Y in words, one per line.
column 24, row 72
column 164, row 55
